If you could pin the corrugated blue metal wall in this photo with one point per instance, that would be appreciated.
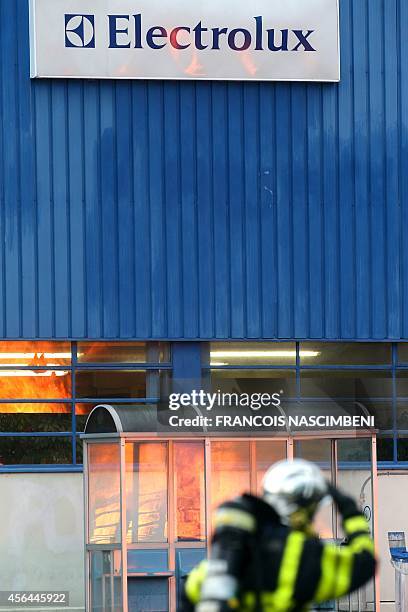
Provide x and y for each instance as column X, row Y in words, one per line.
column 199, row 210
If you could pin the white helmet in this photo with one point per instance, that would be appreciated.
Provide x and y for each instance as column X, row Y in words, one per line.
column 294, row 489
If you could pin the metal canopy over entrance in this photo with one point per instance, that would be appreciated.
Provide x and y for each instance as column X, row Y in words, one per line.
column 149, row 499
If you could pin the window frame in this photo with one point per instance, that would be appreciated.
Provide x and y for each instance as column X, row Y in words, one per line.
column 392, row 368
column 74, row 367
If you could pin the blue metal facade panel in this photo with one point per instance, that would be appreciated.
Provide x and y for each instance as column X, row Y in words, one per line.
column 208, row 210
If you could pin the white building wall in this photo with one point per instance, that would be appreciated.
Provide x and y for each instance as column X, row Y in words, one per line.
column 41, row 534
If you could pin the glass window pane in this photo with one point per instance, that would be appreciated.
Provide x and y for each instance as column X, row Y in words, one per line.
column 148, row 594
column 320, row 452
column 41, row 450
column 254, row 381
column 267, row 453
column 123, row 352
column 321, row 408
column 402, row 352
column 82, row 412
column 402, row 383
column 121, row 383
column 148, row 560
column 35, row 417
column 385, row 449
column 190, row 490
column 354, row 450
column 252, row 353
column 354, row 476
column 35, row 384
column 79, row 450
column 146, row 491
column 359, row 384
column 402, row 415
column 382, row 412
column 402, row 447
column 106, row 580
column 44, row 353
column 229, row 470
column 339, row 353
column 104, row 493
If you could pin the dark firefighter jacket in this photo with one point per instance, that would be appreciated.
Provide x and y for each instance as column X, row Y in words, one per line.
column 279, row 568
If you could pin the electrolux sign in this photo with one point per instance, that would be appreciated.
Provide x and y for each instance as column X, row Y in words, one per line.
column 277, row 40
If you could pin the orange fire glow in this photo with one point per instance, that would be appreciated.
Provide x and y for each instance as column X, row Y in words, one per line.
column 146, row 490
column 37, row 383
column 190, row 492
column 230, row 470
column 104, row 490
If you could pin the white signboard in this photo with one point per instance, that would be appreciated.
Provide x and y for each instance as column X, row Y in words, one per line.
column 260, row 40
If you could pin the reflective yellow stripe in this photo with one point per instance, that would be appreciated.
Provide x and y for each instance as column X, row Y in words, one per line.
column 231, row 517
column 288, row 572
column 356, row 523
column 360, row 543
column 328, row 574
column 194, row 582
column 343, row 575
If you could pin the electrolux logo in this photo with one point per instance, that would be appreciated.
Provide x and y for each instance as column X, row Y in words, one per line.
column 80, row 31
column 127, row 32
column 284, row 40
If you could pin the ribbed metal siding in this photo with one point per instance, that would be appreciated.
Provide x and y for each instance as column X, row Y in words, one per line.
column 199, row 210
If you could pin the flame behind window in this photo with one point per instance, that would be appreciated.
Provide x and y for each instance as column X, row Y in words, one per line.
column 41, row 382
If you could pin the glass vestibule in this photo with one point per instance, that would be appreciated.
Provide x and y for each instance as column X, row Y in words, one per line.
column 349, row 463
column 150, row 502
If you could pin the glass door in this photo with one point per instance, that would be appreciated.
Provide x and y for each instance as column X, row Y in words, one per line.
column 321, row 452
column 354, row 474
column 350, row 464
column 148, row 534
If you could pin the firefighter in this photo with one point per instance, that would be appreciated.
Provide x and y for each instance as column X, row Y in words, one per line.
column 265, row 556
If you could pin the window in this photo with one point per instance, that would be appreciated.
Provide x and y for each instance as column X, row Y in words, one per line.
column 146, row 482
column 252, row 354
column 106, row 582
column 344, row 353
column 104, row 493
column 189, row 491
column 47, row 390
column 230, row 470
column 352, row 378
column 148, row 594
column 254, row 381
column 267, row 453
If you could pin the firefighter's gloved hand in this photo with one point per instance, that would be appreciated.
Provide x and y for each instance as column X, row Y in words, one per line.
column 346, row 505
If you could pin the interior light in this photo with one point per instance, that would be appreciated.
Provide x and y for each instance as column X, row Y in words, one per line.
column 259, row 354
